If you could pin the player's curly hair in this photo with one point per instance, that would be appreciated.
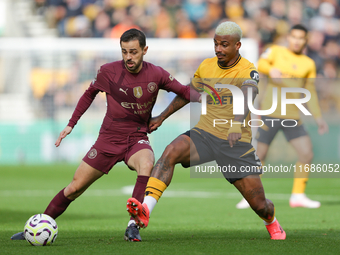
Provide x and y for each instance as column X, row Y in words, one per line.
column 229, row 28
column 134, row 34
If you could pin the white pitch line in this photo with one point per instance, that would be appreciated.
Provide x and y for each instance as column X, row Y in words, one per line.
column 127, row 191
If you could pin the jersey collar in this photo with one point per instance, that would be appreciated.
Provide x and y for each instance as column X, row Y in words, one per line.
column 231, row 66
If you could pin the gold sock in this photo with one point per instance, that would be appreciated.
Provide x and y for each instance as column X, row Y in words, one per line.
column 300, row 179
column 155, row 188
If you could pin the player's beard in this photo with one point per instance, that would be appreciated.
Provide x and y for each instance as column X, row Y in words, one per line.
column 222, row 61
column 225, row 60
column 298, row 50
column 135, row 67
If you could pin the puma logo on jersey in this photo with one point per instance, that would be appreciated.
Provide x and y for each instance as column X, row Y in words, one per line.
column 124, row 91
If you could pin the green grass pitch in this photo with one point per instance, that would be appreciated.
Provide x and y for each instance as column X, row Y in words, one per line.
column 195, row 216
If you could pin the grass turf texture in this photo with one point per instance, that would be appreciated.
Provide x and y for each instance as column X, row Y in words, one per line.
column 198, row 216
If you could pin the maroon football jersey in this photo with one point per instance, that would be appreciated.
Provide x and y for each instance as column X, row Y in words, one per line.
column 130, row 98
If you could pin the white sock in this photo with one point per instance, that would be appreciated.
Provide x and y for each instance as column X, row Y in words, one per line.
column 131, row 221
column 297, row 196
column 268, row 223
column 150, row 202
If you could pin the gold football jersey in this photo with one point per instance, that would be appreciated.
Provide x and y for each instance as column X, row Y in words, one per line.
column 298, row 71
column 220, row 101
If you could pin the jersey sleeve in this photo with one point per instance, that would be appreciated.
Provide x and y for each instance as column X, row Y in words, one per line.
column 100, row 83
column 83, row 104
column 312, row 73
column 102, row 80
column 265, row 62
column 197, row 73
column 249, row 77
column 313, row 103
column 169, row 83
column 197, row 77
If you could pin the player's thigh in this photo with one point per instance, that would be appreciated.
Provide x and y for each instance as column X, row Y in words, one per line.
column 181, row 150
column 252, row 190
column 84, row 176
column 237, row 162
column 202, row 146
column 303, row 147
column 142, row 161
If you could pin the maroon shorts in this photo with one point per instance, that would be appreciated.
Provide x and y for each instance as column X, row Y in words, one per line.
column 103, row 155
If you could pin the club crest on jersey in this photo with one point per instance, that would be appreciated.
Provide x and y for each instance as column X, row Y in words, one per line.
column 138, row 92
column 218, row 89
column 92, row 154
column 171, row 77
column 152, row 87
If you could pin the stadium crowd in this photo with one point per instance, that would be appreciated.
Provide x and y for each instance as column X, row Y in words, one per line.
column 266, row 21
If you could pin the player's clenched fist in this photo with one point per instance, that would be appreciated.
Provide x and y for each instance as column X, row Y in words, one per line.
column 63, row 134
column 154, row 123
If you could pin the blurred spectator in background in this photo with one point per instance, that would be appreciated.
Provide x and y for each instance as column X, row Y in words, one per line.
column 123, row 22
column 266, row 21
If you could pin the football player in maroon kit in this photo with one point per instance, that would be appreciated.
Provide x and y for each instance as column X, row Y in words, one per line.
column 131, row 86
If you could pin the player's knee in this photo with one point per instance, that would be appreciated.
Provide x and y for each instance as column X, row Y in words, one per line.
column 171, row 153
column 71, row 192
column 146, row 168
column 261, row 155
column 310, row 156
column 306, row 156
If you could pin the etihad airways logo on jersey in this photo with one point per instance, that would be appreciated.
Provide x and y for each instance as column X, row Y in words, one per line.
column 139, row 108
column 238, row 100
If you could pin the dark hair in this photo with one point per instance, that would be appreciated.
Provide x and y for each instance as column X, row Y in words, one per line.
column 300, row 27
column 134, row 34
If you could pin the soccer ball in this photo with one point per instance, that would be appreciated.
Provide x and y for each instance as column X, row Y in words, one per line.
column 40, row 230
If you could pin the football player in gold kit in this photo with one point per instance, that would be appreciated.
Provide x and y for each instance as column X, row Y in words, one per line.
column 289, row 67
column 225, row 143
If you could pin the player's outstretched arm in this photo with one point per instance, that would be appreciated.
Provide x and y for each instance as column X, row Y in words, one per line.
column 176, row 104
column 234, row 132
column 83, row 104
column 67, row 130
